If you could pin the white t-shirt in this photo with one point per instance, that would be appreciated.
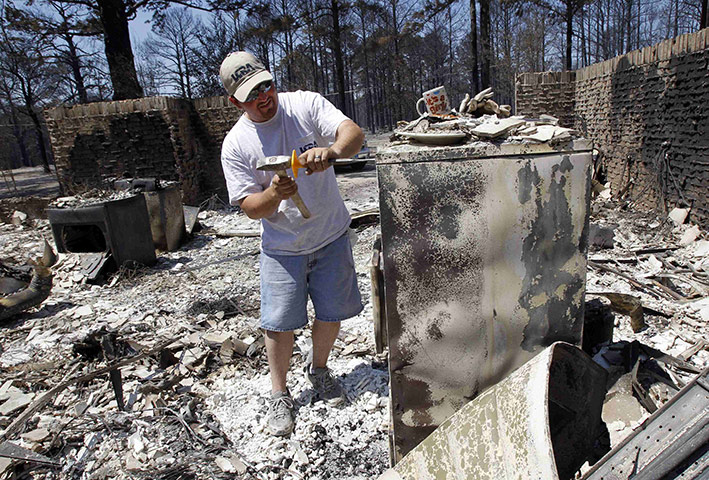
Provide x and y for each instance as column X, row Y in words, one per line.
column 303, row 120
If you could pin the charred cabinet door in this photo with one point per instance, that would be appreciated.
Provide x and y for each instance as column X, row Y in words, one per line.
column 484, row 266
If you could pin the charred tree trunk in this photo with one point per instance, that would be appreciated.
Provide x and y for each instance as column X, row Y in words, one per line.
column 485, row 40
column 704, row 20
column 337, row 51
column 20, row 137
column 396, row 109
column 569, row 34
column 584, row 52
column 367, row 83
column 76, row 69
column 22, row 145
column 474, row 74
column 312, row 47
column 119, row 53
column 188, row 83
column 628, row 26
column 40, row 139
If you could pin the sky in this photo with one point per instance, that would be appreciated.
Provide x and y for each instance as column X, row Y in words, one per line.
column 139, row 29
column 141, row 26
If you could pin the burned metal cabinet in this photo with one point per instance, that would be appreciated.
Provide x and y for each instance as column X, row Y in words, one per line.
column 484, row 257
column 119, row 227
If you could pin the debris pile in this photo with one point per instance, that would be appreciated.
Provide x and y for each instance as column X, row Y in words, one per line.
column 648, row 293
column 21, row 291
column 160, row 372
column 91, row 197
column 193, row 379
column 482, row 104
column 117, row 189
column 480, row 119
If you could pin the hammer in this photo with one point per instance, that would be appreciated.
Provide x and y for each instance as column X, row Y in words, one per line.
column 278, row 164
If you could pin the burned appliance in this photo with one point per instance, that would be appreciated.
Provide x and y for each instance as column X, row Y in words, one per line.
column 542, row 421
column 484, row 265
column 167, row 218
column 164, row 203
column 117, row 232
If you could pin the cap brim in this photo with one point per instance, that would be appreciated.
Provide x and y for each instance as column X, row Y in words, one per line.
column 243, row 91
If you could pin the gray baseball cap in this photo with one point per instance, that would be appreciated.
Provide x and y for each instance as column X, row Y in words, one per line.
column 241, row 72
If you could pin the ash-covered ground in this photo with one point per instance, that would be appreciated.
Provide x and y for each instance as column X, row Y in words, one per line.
column 196, row 408
column 202, row 416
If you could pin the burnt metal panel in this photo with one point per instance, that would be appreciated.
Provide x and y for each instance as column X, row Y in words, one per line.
column 540, row 422
column 672, row 443
column 484, row 266
column 16, row 452
column 167, row 218
column 377, row 283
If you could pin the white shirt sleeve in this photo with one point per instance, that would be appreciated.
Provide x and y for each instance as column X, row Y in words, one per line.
column 240, row 180
column 326, row 117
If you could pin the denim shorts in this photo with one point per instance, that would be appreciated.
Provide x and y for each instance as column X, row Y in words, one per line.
column 327, row 275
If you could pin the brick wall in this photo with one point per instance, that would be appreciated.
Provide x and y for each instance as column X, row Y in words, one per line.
column 551, row 93
column 213, row 118
column 160, row 137
column 648, row 113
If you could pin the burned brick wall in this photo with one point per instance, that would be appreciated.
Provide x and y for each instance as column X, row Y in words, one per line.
column 213, row 117
column 647, row 114
column 160, row 137
column 551, row 93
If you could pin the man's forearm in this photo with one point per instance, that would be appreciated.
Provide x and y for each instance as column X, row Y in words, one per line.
column 348, row 140
column 262, row 204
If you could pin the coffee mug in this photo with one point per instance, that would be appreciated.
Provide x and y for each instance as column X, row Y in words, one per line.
column 436, row 101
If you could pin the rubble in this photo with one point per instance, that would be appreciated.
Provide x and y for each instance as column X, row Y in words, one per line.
column 195, row 402
column 23, row 293
column 18, row 218
column 480, row 119
column 678, row 215
column 88, row 198
column 672, row 443
column 515, row 429
column 196, row 406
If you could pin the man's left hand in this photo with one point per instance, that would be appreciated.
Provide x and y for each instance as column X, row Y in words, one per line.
column 316, row 159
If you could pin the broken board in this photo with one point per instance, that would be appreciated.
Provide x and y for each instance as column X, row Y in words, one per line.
column 498, row 128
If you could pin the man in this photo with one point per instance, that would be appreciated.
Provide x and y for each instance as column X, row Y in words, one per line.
column 299, row 257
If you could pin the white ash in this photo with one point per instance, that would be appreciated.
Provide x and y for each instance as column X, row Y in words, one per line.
column 356, row 429
column 91, row 198
column 209, row 287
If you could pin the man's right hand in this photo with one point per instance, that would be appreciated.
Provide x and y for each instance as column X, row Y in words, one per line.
column 264, row 204
column 284, row 187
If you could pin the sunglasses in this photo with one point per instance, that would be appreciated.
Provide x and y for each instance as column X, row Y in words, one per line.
column 262, row 87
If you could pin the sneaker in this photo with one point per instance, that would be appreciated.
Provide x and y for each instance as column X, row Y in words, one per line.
column 280, row 414
column 325, row 384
